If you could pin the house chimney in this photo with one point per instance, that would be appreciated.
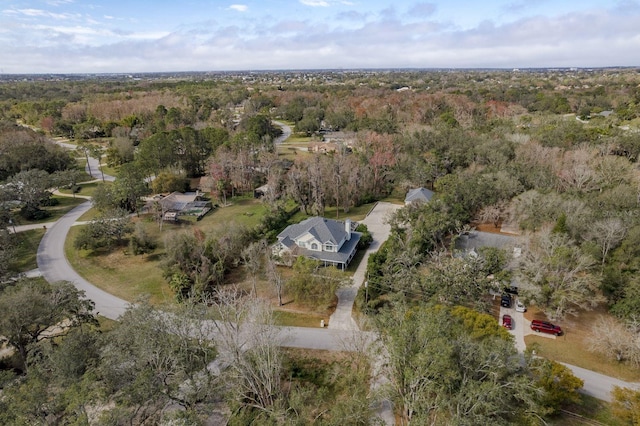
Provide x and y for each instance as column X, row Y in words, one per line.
column 347, row 228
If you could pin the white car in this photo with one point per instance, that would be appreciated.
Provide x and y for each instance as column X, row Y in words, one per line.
column 520, row 306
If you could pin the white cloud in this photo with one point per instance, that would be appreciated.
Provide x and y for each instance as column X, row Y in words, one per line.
column 359, row 38
column 239, row 7
column 58, row 2
column 315, row 3
column 39, row 13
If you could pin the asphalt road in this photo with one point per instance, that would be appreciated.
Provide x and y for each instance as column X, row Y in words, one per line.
column 286, row 132
column 93, row 168
column 54, row 266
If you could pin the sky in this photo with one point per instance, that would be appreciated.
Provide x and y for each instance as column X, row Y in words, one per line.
column 120, row 36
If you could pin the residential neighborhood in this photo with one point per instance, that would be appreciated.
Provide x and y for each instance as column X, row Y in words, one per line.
column 319, row 247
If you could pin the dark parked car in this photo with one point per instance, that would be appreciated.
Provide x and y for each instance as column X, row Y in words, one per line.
column 505, row 300
column 507, row 322
column 545, row 327
column 511, row 290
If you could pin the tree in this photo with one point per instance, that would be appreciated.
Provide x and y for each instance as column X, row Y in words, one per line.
column 250, row 349
column 252, row 256
column 560, row 387
column 31, row 307
column 154, row 358
column 129, row 188
column 274, row 276
column 95, row 151
column 607, row 234
column 107, row 231
column 170, row 182
column 626, row 405
column 68, row 179
column 86, row 147
column 23, row 149
column 380, row 153
column 615, row 340
column 141, row 242
column 442, row 374
column 31, row 188
column 196, row 263
column 312, row 283
column 557, row 276
column 454, row 280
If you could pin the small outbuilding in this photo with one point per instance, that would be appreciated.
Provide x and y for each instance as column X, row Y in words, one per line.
column 418, row 195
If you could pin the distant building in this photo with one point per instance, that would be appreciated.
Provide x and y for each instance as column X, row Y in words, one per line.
column 329, row 241
column 418, row 195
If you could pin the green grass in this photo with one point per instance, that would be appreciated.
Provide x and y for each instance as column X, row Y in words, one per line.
column 589, row 408
column 92, row 213
column 111, row 171
column 87, row 189
column 26, row 250
column 126, row 276
column 297, row 319
column 130, row 277
column 65, row 205
column 572, row 351
column 355, row 213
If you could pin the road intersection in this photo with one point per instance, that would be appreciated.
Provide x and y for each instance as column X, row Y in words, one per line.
column 342, row 333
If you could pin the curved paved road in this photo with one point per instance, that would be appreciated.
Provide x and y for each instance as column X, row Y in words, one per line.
column 343, row 335
column 54, row 265
column 286, row 132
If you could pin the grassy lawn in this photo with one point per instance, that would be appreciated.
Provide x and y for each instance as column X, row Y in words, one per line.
column 26, row 250
column 86, row 188
column 355, row 213
column 92, row 213
column 572, row 346
column 589, row 408
column 299, row 319
column 128, row 276
column 65, row 205
column 111, row 171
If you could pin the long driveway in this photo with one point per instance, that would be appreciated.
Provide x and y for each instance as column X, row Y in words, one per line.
column 376, row 222
column 342, row 333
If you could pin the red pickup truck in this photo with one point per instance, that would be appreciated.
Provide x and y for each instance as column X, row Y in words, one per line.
column 545, row 327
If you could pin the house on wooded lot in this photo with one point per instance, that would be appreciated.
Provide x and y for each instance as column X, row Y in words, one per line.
column 187, row 203
column 418, row 195
column 329, row 241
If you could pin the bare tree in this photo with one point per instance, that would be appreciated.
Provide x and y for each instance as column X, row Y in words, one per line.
column 249, row 350
column 614, row 339
column 274, row 276
column 252, row 259
column 607, row 233
column 557, row 275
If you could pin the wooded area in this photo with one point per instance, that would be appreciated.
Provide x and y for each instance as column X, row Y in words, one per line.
column 550, row 156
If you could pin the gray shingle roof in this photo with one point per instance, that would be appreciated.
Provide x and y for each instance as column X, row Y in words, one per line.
column 324, row 230
column 418, row 194
column 341, row 257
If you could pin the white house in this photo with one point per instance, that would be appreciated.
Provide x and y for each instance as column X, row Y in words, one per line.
column 330, row 241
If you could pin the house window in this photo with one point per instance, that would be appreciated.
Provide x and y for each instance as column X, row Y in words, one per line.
column 302, row 244
column 314, row 246
column 328, row 247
